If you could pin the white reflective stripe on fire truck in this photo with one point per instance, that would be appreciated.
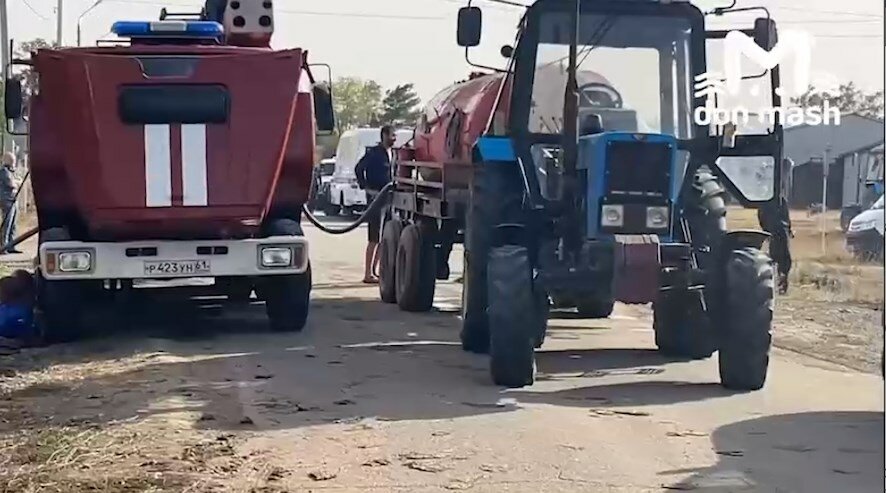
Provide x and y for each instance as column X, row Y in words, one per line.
column 194, row 187
column 158, row 166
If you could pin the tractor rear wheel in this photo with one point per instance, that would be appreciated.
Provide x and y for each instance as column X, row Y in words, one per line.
column 415, row 270
column 287, row 297
column 513, row 317
column 387, row 260
column 681, row 326
column 745, row 320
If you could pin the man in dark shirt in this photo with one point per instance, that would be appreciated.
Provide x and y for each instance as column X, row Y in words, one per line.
column 374, row 173
column 8, row 189
column 775, row 219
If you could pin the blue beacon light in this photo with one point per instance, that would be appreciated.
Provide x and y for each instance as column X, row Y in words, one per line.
column 197, row 29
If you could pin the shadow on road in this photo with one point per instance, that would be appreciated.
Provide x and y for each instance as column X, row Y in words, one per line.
column 812, row 452
column 357, row 358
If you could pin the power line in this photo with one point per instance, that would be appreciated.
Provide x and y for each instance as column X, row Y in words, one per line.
column 307, row 12
column 32, row 9
column 834, row 12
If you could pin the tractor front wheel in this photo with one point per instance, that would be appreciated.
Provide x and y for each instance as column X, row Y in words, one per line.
column 681, row 326
column 745, row 319
column 513, row 317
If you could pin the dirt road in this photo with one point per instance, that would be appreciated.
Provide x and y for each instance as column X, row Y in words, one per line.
column 372, row 399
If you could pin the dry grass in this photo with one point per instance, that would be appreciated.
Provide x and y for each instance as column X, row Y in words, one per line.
column 826, row 273
column 67, row 459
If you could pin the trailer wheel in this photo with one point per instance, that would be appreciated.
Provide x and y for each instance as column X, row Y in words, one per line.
column 329, row 209
column 415, row 270
column 387, row 263
column 681, row 326
column 746, row 320
column 513, row 317
column 287, row 297
column 595, row 308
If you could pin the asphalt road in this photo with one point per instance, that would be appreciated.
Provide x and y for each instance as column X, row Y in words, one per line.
column 372, row 399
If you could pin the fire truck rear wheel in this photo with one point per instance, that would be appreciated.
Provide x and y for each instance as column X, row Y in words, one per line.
column 387, row 264
column 746, row 321
column 287, row 297
column 59, row 303
column 513, row 317
column 415, row 270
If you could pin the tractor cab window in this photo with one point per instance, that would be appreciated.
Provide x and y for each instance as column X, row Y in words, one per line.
column 633, row 72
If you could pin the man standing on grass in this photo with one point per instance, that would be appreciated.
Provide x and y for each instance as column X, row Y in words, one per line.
column 775, row 219
column 374, row 173
column 9, row 185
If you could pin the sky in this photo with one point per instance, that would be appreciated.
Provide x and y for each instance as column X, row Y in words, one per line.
column 397, row 41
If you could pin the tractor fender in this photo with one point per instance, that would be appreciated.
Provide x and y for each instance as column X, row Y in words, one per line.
column 744, row 238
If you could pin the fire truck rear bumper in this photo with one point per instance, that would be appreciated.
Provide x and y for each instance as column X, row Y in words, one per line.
column 174, row 259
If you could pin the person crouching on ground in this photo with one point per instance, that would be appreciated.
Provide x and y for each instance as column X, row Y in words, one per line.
column 374, row 173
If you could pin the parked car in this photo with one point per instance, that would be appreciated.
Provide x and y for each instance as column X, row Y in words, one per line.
column 864, row 237
column 322, row 180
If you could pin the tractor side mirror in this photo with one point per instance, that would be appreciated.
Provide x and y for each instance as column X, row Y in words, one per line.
column 13, row 102
column 729, row 131
column 470, row 26
column 324, row 112
column 765, row 33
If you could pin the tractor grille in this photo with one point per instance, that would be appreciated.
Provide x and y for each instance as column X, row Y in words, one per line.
column 640, row 169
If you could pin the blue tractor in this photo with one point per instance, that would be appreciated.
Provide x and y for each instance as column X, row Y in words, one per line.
column 589, row 201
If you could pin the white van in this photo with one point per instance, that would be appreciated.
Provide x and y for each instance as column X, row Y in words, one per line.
column 344, row 193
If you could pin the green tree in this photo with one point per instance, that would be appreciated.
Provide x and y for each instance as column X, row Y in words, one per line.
column 848, row 98
column 357, row 102
column 400, row 105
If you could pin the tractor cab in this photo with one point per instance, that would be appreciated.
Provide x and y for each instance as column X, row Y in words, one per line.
column 636, row 68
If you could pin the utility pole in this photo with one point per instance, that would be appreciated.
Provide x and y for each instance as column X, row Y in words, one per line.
column 824, row 199
column 59, row 23
column 7, row 59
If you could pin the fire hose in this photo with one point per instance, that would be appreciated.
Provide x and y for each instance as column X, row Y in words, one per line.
column 376, row 204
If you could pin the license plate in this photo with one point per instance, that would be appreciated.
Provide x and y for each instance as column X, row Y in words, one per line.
column 176, row 267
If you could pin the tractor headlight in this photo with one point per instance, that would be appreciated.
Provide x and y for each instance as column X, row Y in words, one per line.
column 612, row 215
column 657, row 217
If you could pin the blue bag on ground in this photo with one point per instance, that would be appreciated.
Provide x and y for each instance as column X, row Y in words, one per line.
column 16, row 321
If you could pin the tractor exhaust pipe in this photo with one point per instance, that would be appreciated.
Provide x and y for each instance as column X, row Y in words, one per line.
column 572, row 204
